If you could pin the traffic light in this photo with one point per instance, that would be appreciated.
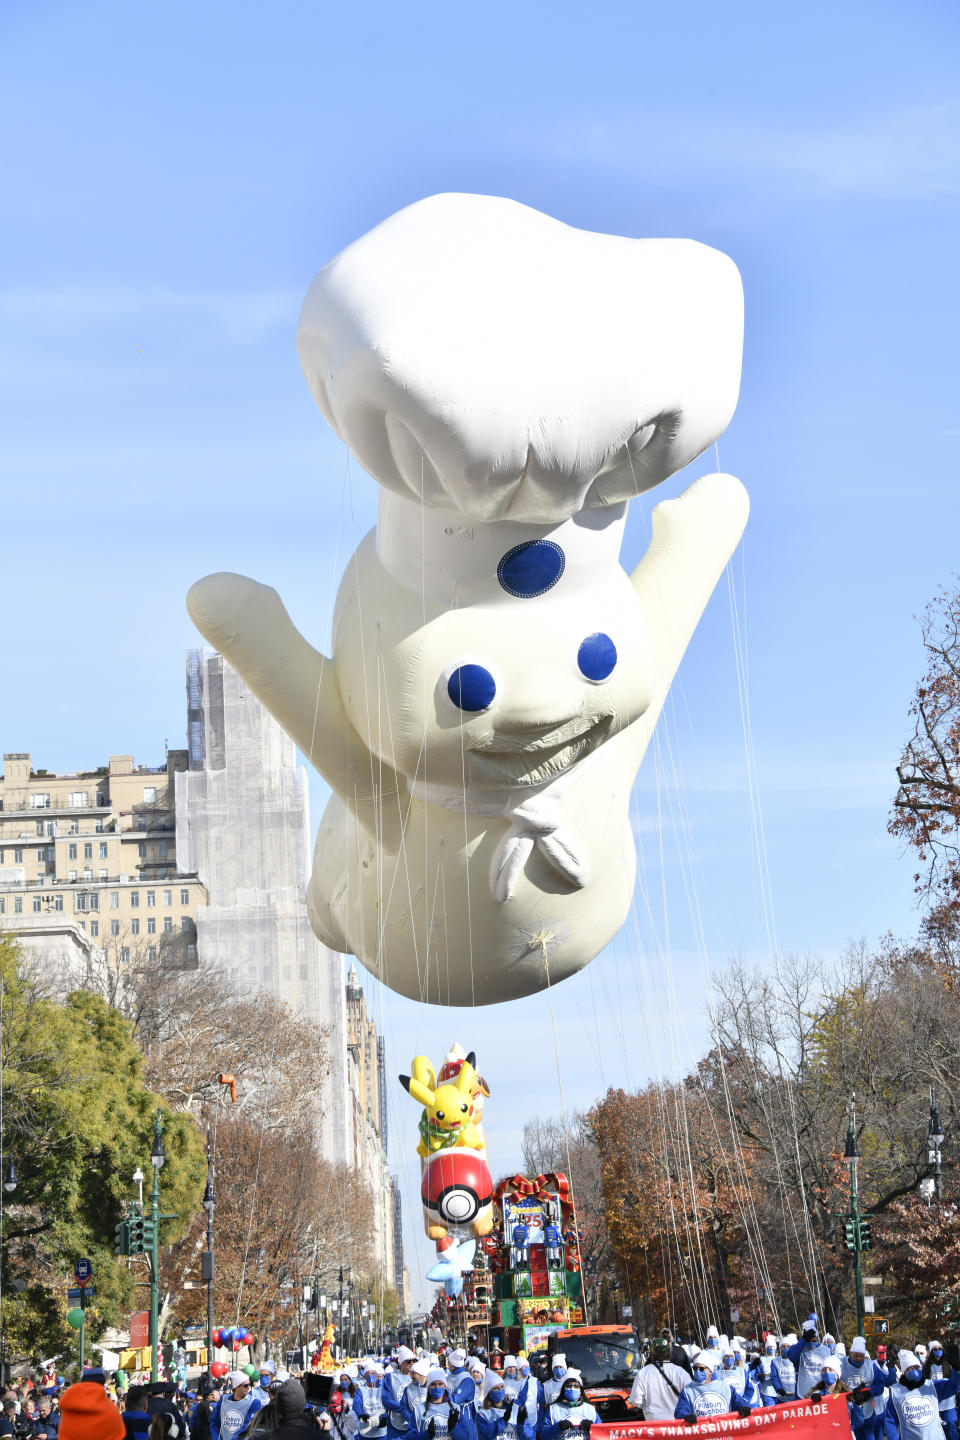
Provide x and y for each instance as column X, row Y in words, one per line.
column 148, row 1229
column 865, row 1239
column 121, row 1238
column 850, row 1234
column 137, row 1224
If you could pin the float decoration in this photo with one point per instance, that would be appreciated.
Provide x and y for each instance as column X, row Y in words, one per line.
column 510, row 382
column 456, row 1187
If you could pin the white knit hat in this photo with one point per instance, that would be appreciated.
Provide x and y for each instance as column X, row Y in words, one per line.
column 832, row 1362
column 906, row 1359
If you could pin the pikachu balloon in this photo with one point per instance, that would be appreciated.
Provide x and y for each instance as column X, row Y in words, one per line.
column 512, row 384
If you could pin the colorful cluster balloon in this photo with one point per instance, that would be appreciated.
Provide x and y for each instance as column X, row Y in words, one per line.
column 507, row 433
column 233, row 1337
column 219, row 1369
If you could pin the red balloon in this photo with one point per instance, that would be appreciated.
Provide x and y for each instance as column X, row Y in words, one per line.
column 217, row 1337
column 219, row 1368
column 238, row 1344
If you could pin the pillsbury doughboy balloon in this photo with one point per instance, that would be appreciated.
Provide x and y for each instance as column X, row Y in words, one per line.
column 511, row 383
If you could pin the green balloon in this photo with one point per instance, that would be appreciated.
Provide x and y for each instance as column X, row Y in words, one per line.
column 250, row 1370
column 75, row 1318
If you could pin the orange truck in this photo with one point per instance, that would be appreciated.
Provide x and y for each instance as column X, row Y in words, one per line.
column 608, row 1358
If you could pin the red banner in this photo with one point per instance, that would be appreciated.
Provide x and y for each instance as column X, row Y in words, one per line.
column 804, row 1419
column 140, row 1330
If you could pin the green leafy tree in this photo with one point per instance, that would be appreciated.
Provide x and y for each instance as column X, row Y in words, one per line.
column 78, row 1120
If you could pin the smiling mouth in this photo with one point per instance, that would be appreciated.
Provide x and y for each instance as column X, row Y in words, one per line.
column 518, row 760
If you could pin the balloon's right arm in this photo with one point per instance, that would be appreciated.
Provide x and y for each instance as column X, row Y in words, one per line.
column 248, row 624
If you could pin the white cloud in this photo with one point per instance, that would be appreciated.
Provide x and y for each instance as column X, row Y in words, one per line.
column 904, row 152
column 240, row 316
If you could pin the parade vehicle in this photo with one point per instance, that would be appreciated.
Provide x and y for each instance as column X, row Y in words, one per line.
column 608, row 1357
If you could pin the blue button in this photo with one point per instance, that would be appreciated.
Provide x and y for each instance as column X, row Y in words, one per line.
column 597, row 657
column 531, row 569
column 471, row 687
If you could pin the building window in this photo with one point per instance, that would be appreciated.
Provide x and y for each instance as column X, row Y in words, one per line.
column 88, row 874
column 74, row 827
column 3, row 906
column 71, row 852
column 103, row 849
column 114, row 899
column 40, row 801
column 191, row 952
column 125, row 955
column 94, row 928
column 151, row 952
column 37, row 905
column 151, row 926
column 72, row 876
column 135, row 925
column 134, row 899
column 39, row 827
column 185, row 922
column 95, row 901
column 18, row 904
column 142, row 849
column 102, row 874
column 98, row 827
column 114, row 927
column 168, row 897
column 162, row 849
column 151, row 897
column 18, row 857
column 79, row 799
column 184, row 897
column 58, row 902
column 167, row 924
column 88, row 850
column 149, row 794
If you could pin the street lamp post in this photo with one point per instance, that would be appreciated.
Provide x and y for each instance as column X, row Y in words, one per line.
column 206, row 1263
column 157, row 1157
column 935, row 1138
column 857, row 1231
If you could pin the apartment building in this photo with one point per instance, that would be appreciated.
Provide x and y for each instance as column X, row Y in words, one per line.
column 88, row 860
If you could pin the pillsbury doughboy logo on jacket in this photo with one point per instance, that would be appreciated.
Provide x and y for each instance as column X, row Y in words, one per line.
column 919, row 1409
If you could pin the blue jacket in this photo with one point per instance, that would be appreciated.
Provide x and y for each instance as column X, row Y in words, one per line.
column 713, row 1397
column 392, row 1393
column 137, row 1423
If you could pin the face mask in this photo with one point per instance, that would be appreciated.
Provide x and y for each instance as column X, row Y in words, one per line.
column 570, row 1394
column 511, row 1372
column 914, row 1375
column 856, row 1359
column 436, row 1392
column 343, row 1385
column 558, row 1373
column 372, row 1381
column 728, row 1362
column 700, row 1375
column 827, row 1379
column 497, row 1397
column 524, row 1371
column 936, row 1356
column 831, row 1345
column 713, row 1343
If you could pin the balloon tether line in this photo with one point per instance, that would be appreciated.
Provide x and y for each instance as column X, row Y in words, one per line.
column 542, row 940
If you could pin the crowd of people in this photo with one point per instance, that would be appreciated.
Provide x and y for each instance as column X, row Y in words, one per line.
column 898, row 1395
column 456, row 1394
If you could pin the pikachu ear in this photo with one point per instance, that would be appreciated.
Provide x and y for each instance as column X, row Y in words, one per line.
column 424, row 1072
column 466, row 1077
column 419, row 1092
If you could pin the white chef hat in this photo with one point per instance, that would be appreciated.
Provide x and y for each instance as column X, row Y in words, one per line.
column 480, row 356
column 404, row 1353
column 831, row 1362
column 436, row 1375
column 457, row 1357
column 420, row 1368
column 492, row 1381
column 906, row 1359
column 508, row 1361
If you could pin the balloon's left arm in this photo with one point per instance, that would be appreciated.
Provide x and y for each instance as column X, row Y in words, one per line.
column 693, row 538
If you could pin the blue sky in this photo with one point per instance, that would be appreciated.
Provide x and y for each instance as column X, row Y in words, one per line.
column 173, row 178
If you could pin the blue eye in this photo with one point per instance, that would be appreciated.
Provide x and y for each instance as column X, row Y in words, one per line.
column 471, row 687
column 597, row 657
